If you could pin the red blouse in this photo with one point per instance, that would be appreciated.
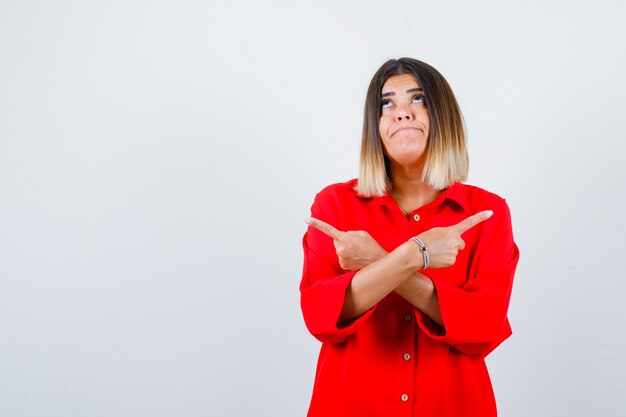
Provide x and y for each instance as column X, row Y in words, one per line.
column 394, row 360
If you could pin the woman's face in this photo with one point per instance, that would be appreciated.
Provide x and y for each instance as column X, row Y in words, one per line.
column 404, row 121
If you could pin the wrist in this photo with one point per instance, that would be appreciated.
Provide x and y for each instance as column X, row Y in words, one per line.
column 421, row 246
column 414, row 256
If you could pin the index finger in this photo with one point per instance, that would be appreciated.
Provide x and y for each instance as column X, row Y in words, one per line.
column 323, row 227
column 472, row 221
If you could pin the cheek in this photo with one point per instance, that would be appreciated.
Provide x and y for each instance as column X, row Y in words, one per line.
column 424, row 118
column 383, row 137
column 383, row 126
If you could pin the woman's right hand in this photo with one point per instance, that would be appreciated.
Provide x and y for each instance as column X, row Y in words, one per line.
column 444, row 243
column 355, row 248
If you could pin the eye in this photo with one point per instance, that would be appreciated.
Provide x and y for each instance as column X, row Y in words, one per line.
column 418, row 99
column 385, row 104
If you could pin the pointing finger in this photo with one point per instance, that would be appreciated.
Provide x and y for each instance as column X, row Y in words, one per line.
column 323, row 227
column 472, row 221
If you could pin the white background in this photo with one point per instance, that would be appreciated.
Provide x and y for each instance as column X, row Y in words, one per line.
column 157, row 159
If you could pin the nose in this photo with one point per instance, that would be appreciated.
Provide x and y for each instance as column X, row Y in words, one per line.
column 403, row 113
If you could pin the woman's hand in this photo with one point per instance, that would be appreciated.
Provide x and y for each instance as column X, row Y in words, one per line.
column 444, row 243
column 355, row 249
column 381, row 272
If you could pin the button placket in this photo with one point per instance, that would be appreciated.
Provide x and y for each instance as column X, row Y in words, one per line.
column 407, row 374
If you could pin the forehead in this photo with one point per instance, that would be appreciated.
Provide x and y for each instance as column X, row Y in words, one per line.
column 399, row 83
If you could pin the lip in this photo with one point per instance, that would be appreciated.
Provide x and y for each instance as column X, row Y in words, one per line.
column 404, row 128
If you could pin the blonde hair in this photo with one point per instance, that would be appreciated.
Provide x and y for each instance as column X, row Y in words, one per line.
column 447, row 160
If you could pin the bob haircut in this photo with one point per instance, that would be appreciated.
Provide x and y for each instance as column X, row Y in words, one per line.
column 447, row 161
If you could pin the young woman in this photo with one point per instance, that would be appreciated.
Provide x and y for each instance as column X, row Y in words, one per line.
column 407, row 271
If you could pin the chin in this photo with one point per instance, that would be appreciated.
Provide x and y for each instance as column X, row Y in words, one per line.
column 408, row 155
column 408, row 160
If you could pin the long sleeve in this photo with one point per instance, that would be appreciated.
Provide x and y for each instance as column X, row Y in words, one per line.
column 393, row 360
column 324, row 283
column 475, row 314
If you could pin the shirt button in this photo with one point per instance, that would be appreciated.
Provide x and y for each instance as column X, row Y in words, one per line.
column 406, row 356
column 407, row 318
column 416, row 217
column 404, row 397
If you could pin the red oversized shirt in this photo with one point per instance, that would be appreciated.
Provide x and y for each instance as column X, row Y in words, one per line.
column 394, row 360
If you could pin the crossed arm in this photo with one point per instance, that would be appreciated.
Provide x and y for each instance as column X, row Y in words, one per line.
column 381, row 272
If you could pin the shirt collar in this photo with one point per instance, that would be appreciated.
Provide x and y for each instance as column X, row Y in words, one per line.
column 455, row 192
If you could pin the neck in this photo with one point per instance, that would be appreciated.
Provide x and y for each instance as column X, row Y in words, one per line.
column 408, row 189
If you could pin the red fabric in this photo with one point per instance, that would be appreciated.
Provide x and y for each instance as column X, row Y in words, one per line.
column 363, row 369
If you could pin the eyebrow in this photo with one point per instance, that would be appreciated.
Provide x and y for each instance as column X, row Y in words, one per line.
column 412, row 90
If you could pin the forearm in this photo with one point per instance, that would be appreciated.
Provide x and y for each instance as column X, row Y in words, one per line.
column 375, row 281
column 368, row 288
column 419, row 290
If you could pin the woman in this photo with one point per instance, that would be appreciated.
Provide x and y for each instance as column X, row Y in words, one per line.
column 407, row 271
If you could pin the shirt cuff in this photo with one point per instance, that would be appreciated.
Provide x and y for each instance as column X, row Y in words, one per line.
column 322, row 304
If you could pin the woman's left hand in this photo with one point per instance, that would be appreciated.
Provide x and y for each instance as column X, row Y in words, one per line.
column 355, row 249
